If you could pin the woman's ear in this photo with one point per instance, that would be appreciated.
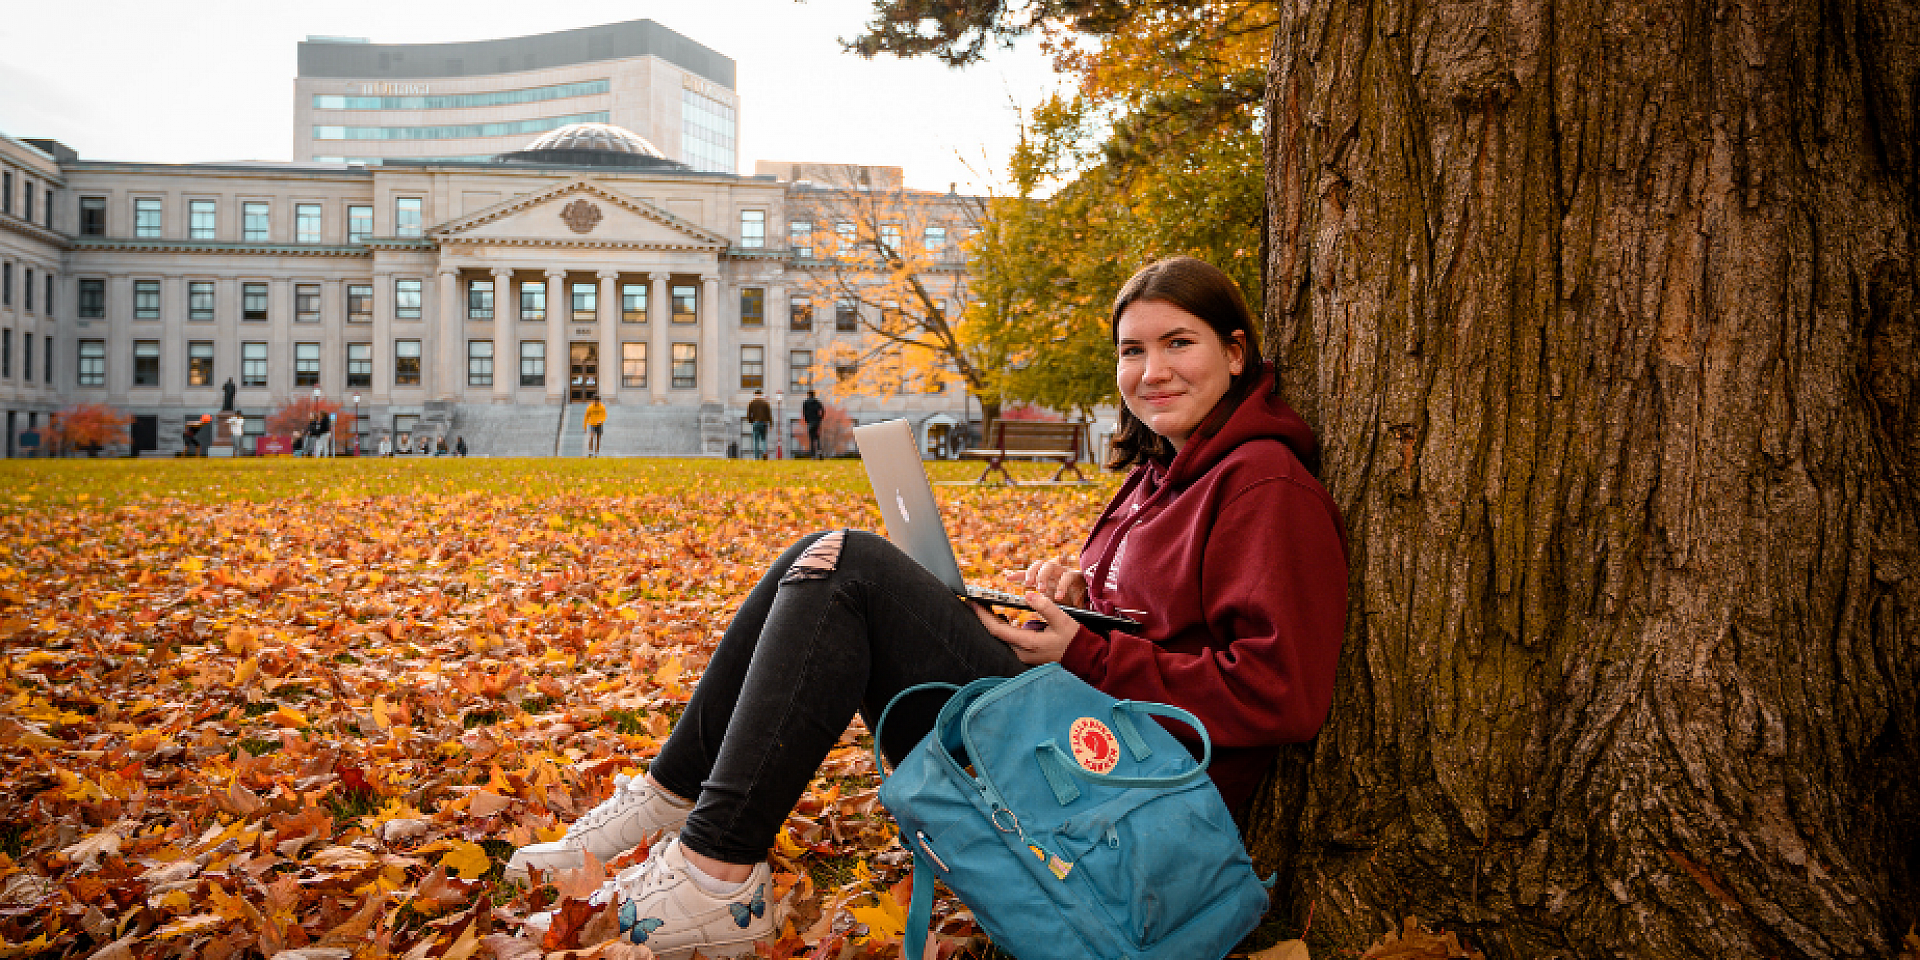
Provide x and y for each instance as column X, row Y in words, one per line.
column 1237, row 352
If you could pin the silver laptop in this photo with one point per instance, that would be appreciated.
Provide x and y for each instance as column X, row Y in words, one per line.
column 906, row 503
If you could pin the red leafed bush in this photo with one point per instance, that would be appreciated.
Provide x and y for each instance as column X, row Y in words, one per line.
column 88, row 426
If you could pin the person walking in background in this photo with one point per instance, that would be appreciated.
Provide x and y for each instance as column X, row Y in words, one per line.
column 760, row 415
column 596, row 425
column 815, row 413
column 190, row 436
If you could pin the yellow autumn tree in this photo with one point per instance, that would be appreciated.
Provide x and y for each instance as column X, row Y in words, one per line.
column 887, row 268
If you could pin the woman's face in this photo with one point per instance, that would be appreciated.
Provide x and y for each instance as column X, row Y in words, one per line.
column 1173, row 368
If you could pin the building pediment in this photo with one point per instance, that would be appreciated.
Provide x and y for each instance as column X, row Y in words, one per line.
column 579, row 213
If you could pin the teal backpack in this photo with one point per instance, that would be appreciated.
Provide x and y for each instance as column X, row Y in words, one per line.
column 1072, row 824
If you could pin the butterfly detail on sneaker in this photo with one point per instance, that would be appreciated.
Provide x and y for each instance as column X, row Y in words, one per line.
column 744, row 913
column 636, row 929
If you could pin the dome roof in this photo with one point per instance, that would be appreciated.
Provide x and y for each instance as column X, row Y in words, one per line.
column 591, row 144
column 594, row 136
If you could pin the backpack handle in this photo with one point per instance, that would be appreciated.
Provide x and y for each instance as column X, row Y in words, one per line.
column 1059, row 769
column 880, row 762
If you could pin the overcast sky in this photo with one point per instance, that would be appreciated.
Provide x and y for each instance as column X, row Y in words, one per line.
column 202, row 80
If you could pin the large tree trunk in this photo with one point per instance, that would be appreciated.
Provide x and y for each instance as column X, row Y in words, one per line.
column 1605, row 313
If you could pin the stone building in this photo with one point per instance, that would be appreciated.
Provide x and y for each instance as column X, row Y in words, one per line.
column 474, row 298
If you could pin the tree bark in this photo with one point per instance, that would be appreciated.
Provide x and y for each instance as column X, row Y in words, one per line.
column 1604, row 312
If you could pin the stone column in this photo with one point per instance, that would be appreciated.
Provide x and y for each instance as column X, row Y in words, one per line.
column 445, row 378
column 506, row 335
column 710, row 366
column 608, row 317
column 559, row 312
column 776, row 364
column 659, row 351
column 383, row 337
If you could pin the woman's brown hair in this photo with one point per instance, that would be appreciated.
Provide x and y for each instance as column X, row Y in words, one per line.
column 1202, row 289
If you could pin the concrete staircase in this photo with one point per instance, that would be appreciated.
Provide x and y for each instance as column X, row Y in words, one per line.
column 632, row 430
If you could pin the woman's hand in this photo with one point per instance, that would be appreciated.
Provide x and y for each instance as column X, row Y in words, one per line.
column 1034, row 646
column 1059, row 582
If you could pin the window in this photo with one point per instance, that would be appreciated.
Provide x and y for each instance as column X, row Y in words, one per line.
column 800, row 313
column 935, row 241
column 200, row 300
column 633, row 364
column 6, row 193
column 753, row 307
column 479, row 363
column 306, row 223
column 890, row 239
column 753, row 367
column 306, row 364
column 253, row 301
column 146, row 217
column 146, row 363
column 27, row 195
column 359, row 224
column 799, row 370
column 753, row 228
column 359, row 303
column 200, row 363
column 6, row 353
column 359, row 364
column 255, row 222
column 533, row 363
column 26, row 358
column 581, row 88
column 584, row 297
column 406, row 217
column 533, row 300
column 146, row 299
column 406, row 299
column 685, row 365
column 846, row 316
column 48, row 310
column 480, row 300
column 93, row 363
column 845, row 372
column 48, row 366
column 843, row 231
column 253, row 364
column 6, row 284
column 633, row 302
column 306, row 303
column 686, row 303
column 93, row 216
column 26, row 282
column 46, row 211
column 406, row 363
column 93, row 298
column 202, row 220
column 800, row 237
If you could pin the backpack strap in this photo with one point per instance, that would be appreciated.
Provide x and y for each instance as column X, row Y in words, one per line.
column 913, row 942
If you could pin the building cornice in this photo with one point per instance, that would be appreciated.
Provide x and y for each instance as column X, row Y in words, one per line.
column 31, row 230
column 461, row 245
column 126, row 245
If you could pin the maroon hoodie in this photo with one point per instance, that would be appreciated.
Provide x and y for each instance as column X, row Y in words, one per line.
column 1234, row 560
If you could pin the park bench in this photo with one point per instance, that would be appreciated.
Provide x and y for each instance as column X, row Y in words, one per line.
column 1031, row 440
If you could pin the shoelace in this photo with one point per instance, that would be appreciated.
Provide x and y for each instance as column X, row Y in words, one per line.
column 635, row 882
column 625, row 788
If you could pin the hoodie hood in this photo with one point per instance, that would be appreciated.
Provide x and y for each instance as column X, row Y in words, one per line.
column 1262, row 415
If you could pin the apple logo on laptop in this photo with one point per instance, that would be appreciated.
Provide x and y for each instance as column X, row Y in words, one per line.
column 902, row 501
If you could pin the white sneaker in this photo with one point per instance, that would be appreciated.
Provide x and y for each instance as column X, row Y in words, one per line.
column 662, row 907
column 636, row 810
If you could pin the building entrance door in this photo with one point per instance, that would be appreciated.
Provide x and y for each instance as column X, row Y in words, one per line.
column 583, row 373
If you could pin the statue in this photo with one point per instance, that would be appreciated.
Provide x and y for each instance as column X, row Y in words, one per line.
column 226, row 393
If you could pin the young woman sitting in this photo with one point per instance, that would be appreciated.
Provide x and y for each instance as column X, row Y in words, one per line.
column 1220, row 543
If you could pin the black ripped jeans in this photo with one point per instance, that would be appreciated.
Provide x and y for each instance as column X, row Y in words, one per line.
column 841, row 622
